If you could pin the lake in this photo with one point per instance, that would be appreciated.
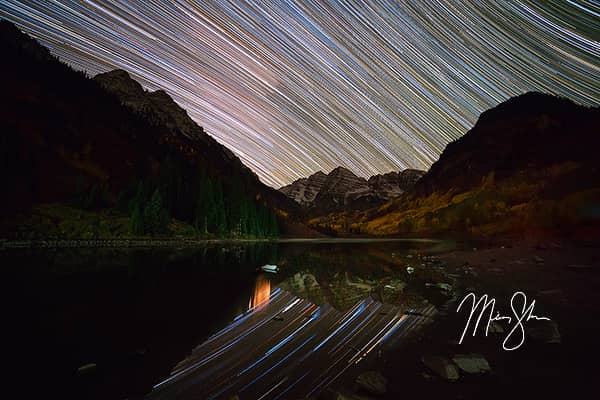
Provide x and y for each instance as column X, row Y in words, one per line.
column 136, row 312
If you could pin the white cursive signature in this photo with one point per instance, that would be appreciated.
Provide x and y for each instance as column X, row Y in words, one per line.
column 524, row 314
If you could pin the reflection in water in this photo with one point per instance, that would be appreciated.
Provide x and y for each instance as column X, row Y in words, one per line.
column 262, row 291
column 52, row 286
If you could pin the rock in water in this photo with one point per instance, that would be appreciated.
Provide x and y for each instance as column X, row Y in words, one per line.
column 444, row 286
column 441, row 366
column 372, row 382
column 86, row 369
column 495, row 327
column 544, row 331
column 472, row 363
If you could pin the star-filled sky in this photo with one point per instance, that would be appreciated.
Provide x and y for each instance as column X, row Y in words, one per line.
column 297, row 87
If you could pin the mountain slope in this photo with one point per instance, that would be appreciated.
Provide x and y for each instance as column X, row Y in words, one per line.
column 67, row 136
column 532, row 130
column 393, row 184
column 304, row 190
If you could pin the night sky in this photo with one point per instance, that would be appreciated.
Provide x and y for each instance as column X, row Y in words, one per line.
column 297, row 88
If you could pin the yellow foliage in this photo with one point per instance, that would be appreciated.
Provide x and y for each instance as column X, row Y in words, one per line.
column 459, row 198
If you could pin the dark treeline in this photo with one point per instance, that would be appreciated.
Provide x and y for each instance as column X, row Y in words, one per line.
column 198, row 199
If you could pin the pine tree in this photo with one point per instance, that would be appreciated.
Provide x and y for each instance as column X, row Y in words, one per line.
column 79, row 192
column 221, row 218
column 136, row 221
column 261, row 219
column 155, row 216
column 244, row 216
column 139, row 199
column 92, row 198
column 206, row 213
column 252, row 219
column 273, row 229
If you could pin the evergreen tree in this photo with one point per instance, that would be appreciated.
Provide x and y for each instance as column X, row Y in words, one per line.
column 244, row 226
column 92, row 198
column 136, row 222
column 139, row 199
column 273, row 228
column 221, row 218
column 79, row 191
column 155, row 216
column 262, row 220
column 252, row 219
column 206, row 213
column 166, row 181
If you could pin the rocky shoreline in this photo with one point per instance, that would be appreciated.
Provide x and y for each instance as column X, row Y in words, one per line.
column 562, row 279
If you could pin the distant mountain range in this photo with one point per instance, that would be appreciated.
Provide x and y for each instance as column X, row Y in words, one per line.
column 529, row 164
column 341, row 190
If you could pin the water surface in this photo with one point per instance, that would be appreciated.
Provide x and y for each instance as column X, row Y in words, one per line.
column 136, row 312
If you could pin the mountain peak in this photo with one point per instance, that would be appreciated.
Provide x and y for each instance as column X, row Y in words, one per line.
column 163, row 108
column 342, row 189
column 341, row 171
column 527, row 104
column 121, row 84
column 304, row 190
column 116, row 73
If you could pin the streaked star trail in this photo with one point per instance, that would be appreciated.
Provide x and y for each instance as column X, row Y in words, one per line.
column 293, row 88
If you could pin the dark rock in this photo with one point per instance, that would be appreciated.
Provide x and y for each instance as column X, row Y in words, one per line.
column 444, row 287
column 442, row 367
column 87, row 368
column 472, row 363
column 495, row 327
column 141, row 352
column 372, row 382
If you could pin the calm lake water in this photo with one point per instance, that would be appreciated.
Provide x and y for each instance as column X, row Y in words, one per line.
column 137, row 312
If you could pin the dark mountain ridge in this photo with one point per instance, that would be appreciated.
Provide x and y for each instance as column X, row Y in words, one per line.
column 532, row 130
column 66, row 135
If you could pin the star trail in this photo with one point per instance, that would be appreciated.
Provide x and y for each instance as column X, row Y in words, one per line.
column 297, row 87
